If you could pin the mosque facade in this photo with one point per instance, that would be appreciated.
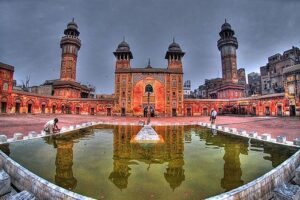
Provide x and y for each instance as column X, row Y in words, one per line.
column 167, row 84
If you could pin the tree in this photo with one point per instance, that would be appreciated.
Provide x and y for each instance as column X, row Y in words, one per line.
column 25, row 84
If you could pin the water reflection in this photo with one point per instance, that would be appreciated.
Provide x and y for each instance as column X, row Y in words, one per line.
column 64, row 161
column 64, row 144
column 126, row 154
column 169, row 154
column 232, row 172
column 274, row 153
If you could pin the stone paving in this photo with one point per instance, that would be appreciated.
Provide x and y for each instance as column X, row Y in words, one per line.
column 288, row 126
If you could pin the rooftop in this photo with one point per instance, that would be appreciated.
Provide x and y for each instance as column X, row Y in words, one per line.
column 6, row 66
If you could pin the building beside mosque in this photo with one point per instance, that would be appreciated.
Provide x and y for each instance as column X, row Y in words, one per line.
column 226, row 94
column 272, row 76
column 233, row 81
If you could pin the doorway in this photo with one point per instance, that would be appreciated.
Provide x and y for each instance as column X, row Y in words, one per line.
column 77, row 110
column 292, row 110
column 205, row 113
column 18, row 107
column 29, row 109
column 68, row 110
column 279, row 111
column 53, row 109
column 3, row 107
column 43, row 109
column 123, row 112
column 152, row 113
column 254, row 111
column 189, row 112
column 92, row 111
column 219, row 111
column 174, row 114
column 267, row 111
column 108, row 111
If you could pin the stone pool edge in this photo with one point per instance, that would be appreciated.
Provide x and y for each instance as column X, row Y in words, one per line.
column 261, row 187
column 23, row 179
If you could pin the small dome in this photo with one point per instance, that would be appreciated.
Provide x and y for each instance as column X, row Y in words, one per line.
column 72, row 25
column 72, row 29
column 174, row 46
column 226, row 26
column 123, row 46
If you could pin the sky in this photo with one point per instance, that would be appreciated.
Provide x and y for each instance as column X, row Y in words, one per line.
column 30, row 33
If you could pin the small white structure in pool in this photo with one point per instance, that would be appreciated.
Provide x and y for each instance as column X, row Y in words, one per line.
column 147, row 135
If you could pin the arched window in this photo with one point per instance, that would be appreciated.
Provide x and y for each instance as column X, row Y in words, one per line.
column 149, row 88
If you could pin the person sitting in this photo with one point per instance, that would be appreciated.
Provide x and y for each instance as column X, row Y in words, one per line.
column 51, row 126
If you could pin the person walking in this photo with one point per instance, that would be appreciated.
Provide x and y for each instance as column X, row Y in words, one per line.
column 213, row 116
column 51, row 126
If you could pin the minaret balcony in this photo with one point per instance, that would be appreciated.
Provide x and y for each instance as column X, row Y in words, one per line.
column 227, row 41
column 70, row 40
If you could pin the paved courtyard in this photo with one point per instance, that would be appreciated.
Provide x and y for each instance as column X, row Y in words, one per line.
column 290, row 127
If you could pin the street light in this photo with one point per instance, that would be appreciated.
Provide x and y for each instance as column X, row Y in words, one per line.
column 149, row 90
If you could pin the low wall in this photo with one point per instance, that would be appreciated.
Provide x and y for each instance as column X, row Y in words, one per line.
column 262, row 187
column 23, row 179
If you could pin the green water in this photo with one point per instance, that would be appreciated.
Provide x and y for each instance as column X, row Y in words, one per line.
column 192, row 163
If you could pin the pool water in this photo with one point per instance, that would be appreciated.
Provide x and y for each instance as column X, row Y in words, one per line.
column 192, row 163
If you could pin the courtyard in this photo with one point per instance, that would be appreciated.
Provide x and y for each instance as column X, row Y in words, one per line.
column 275, row 126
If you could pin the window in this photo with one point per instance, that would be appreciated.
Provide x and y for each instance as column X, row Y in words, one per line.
column 123, row 82
column 5, row 86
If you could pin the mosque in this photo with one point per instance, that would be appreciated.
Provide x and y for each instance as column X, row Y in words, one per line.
column 67, row 95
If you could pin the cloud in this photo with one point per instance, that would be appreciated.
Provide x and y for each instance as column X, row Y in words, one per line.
column 30, row 33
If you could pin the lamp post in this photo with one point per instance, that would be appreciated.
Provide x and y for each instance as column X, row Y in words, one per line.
column 149, row 90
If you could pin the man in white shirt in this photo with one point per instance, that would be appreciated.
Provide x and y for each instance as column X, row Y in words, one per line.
column 51, row 126
column 213, row 116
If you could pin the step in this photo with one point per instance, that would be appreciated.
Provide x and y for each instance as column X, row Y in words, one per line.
column 287, row 192
column 24, row 195
column 4, row 183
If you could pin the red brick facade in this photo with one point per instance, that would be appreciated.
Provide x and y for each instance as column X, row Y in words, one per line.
column 25, row 102
column 167, row 83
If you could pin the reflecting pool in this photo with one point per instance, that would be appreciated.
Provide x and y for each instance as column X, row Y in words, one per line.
column 192, row 163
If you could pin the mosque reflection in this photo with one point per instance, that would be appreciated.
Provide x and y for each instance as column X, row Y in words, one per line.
column 171, row 153
column 232, row 172
column 126, row 154
column 234, row 147
column 64, row 144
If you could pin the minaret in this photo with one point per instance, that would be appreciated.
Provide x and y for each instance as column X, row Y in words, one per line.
column 123, row 55
column 70, row 45
column 227, row 45
column 174, row 56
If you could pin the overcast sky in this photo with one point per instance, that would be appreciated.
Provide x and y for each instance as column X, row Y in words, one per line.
column 30, row 33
